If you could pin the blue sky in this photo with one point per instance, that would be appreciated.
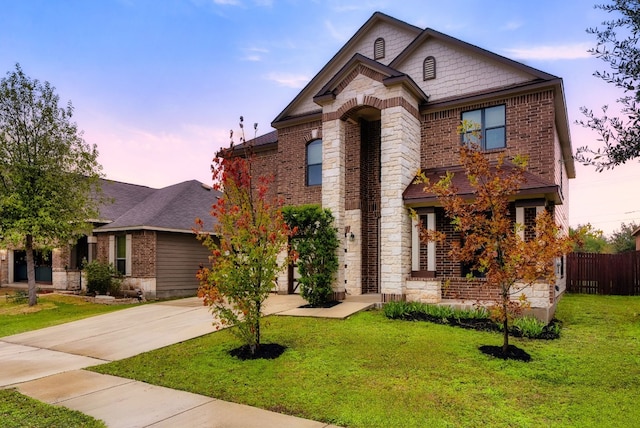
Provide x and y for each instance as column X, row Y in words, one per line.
column 157, row 84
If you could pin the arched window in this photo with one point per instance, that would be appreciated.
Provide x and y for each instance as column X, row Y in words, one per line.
column 429, row 68
column 378, row 48
column 314, row 163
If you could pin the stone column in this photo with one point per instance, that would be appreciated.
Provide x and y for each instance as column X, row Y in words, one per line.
column 400, row 159
column 333, row 187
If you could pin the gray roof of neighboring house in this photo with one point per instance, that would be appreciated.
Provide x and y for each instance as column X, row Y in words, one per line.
column 173, row 208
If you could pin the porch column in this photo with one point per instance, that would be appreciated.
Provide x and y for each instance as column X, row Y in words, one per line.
column 333, row 187
column 400, row 159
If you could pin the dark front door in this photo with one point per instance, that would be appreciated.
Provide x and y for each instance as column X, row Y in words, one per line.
column 43, row 266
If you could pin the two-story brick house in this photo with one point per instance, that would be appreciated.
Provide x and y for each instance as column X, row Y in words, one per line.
column 387, row 105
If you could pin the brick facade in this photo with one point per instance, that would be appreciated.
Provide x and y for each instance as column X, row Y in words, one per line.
column 529, row 132
column 378, row 129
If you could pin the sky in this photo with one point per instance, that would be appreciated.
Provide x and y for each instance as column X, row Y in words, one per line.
column 158, row 84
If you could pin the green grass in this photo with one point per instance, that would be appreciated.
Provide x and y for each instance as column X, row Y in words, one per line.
column 52, row 309
column 17, row 410
column 369, row 371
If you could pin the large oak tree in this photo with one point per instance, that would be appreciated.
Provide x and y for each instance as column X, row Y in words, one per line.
column 47, row 170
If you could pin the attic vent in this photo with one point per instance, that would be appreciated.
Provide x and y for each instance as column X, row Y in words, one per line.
column 378, row 48
column 429, row 68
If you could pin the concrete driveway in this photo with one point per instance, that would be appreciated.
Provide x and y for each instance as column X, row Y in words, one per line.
column 46, row 365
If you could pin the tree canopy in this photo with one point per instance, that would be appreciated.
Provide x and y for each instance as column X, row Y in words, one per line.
column 47, row 170
column 587, row 239
column 247, row 240
column 616, row 45
column 622, row 239
column 490, row 242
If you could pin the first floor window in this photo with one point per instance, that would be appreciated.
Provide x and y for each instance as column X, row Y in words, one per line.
column 487, row 127
column 121, row 254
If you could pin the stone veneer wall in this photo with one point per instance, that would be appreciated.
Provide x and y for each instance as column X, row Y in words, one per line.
column 400, row 154
column 333, row 185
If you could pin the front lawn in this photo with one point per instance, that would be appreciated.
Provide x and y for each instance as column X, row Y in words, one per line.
column 369, row 371
column 52, row 309
column 17, row 410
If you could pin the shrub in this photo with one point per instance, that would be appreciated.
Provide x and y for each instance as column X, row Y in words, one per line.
column 477, row 318
column 396, row 310
column 315, row 243
column 529, row 326
column 102, row 278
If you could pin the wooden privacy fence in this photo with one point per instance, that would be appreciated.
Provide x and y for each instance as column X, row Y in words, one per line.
column 593, row 273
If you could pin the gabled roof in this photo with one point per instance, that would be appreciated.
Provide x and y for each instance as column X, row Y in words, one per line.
column 260, row 143
column 414, row 193
column 323, row 74
column 392, row 77
column 428, row 33
column 173, row 208
column 119, row 198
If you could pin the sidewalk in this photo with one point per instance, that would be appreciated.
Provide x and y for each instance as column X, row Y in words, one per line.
column 46, row 364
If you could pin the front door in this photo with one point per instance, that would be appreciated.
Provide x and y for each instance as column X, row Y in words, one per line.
column 42, row 262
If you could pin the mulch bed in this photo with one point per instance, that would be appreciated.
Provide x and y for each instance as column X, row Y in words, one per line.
column 266, row 351
column 483, row 325
column 513, row 353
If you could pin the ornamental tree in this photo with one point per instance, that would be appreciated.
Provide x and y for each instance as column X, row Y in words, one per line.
column 47, row 171
column 248, row 236
column 315, row 244
column 490, row 242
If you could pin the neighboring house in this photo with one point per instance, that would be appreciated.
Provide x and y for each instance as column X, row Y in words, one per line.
column 636, row 233
column 387, row 105
column 146, row 233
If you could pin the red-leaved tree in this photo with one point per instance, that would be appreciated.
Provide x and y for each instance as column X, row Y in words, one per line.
column 248, row 236
column 490, row 242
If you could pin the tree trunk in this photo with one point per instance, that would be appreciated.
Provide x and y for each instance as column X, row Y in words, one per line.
column 505, row 323
column 257, row 327
column 31, row 271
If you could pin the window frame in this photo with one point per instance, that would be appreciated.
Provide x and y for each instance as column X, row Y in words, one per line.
column 483, row 128
column 308, row 165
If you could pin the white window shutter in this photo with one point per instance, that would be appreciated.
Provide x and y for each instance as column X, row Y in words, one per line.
column 112, row 249
column 128, row 255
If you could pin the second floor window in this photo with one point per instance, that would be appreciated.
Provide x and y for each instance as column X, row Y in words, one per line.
column 314, row 163
column 488, row 127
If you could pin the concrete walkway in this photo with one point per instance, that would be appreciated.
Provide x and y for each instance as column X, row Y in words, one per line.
column 46, row 364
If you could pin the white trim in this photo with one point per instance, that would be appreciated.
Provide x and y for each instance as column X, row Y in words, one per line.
column 431, row 246
column 157, row 229
column 128, row 256
column 10, row 260
column 112, row 250
column 415, row 244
